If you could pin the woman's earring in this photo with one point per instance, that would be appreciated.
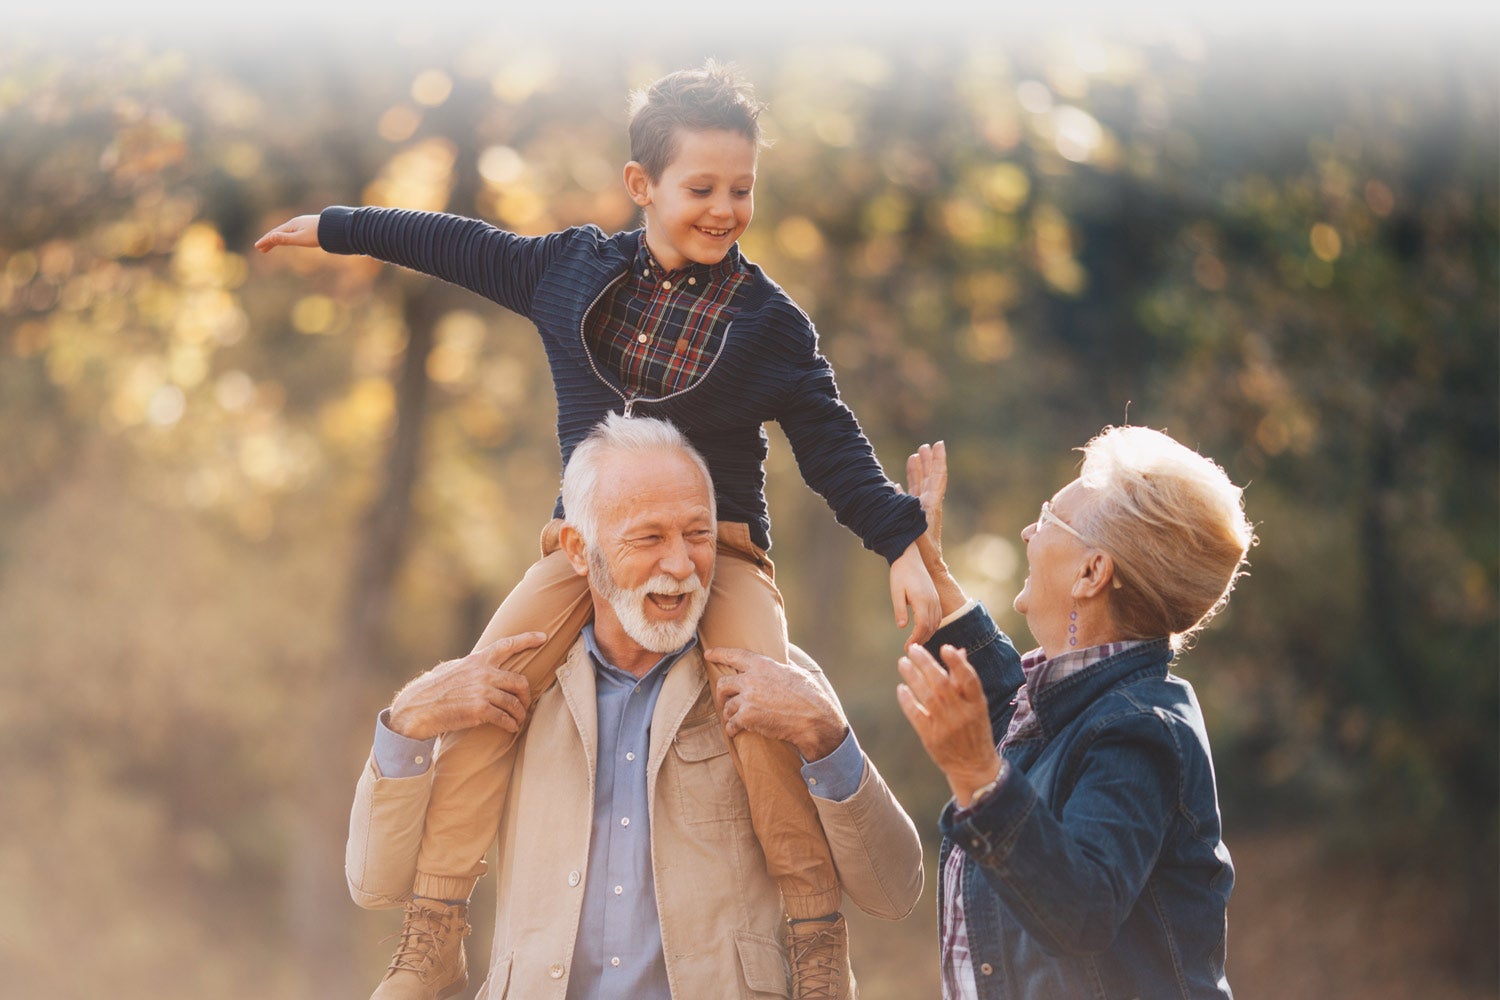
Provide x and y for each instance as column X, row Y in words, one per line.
column 1073, row 627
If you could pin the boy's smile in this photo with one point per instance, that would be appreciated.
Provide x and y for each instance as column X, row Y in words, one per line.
column 702, row 201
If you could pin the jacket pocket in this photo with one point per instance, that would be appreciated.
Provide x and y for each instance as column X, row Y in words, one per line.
column 710, row 788
column 764, row 965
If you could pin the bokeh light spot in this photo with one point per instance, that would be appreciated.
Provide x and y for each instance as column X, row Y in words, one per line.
column 314, row 314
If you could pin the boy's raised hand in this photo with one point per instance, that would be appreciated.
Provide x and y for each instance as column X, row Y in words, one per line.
column 299, row 232
column 912, row 585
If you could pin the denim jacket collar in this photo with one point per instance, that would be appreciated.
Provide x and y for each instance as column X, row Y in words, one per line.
column 1058, row 704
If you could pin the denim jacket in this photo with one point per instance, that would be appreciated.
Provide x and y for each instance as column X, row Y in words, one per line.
column 1096, row 869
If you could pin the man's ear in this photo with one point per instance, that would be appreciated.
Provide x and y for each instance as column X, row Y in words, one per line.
column 573, row 547
column 637, row 184
column 1098, row 570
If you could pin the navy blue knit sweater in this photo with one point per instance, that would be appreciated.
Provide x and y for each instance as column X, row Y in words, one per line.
column 768, row 367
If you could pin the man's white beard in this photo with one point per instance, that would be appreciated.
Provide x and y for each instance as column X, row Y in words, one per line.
column 630, row 605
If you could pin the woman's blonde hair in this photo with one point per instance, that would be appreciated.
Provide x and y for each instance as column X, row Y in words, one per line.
column 1174, row 524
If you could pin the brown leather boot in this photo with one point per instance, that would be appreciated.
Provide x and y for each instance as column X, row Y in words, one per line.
column 430, row 963
column 819, row 953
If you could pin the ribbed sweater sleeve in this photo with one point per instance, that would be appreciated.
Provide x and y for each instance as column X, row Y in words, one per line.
column 472, row 254
column 839, row 463
column 770, row 368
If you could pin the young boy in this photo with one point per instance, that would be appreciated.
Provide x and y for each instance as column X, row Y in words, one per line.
column 670, row 321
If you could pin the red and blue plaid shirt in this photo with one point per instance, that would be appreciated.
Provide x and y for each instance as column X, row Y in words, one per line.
column 658, row 331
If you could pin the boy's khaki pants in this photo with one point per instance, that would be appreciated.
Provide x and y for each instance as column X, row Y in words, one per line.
column 473, row 767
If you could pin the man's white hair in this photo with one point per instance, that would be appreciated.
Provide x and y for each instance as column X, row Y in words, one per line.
column 616, row 434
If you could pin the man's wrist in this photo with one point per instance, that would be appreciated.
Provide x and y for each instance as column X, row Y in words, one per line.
column 837, row 776
column 398, row 756
column 406, row 720
column 830, row 733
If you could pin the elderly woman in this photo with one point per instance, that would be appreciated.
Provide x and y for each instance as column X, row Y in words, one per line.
column 1081, row 853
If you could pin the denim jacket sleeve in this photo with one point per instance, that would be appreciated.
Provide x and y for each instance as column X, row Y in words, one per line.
column 501, row 266
column 992, row 655
column 1070, row 870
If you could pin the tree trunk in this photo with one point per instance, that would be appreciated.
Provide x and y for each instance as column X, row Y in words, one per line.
column 322, row 913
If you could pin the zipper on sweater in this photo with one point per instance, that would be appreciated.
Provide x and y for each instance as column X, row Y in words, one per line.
column 583, row 342
column 631, row 400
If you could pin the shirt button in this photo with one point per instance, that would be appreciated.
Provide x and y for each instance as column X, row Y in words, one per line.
column 692, row 281
column 619, row 889
column 986, row 968
column 641, row 339
column 615, row 960
column 812, row 781
column 420, row 758
column 555, row 970
column 667, row 285
column 572, row 878
column 624, row 820
column 630, row 755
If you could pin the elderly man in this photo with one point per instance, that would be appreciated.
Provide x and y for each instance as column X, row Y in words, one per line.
column 628, row 867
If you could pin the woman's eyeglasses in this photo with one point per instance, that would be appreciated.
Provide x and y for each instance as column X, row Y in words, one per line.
column 1047, row 516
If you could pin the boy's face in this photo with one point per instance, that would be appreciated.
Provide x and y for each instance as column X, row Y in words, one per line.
column 702, row 201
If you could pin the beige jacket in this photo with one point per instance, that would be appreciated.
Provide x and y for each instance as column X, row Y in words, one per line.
column 721, row 916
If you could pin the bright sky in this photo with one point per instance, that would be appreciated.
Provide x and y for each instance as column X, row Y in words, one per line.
column 775, row 18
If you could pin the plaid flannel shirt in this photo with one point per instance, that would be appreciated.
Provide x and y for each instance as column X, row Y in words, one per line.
column 658, row 330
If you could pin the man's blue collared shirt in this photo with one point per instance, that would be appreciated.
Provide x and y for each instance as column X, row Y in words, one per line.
column 619, row 950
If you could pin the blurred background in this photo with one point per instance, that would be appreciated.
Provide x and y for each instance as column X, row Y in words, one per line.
column 244, row 498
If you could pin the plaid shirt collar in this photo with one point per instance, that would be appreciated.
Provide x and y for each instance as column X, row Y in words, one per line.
column 659, row 331
column 1041, row 673
column 649, row 271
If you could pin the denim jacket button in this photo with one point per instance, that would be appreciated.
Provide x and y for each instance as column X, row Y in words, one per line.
column 986, row 968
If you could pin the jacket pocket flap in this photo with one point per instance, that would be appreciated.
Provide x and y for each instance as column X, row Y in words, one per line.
column 764, row 964
column 702, row 742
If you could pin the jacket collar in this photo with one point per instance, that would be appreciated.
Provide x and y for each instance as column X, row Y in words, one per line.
column 575, row 678
column 1058, row 704
column 680, row 689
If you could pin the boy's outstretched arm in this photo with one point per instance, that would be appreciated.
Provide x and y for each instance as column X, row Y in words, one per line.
column 299, row 232
column 912, row 585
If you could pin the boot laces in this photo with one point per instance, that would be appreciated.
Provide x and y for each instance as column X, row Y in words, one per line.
column 422, row 933
column 816, row 969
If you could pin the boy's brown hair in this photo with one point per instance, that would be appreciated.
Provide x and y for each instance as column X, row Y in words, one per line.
column 701, row 100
